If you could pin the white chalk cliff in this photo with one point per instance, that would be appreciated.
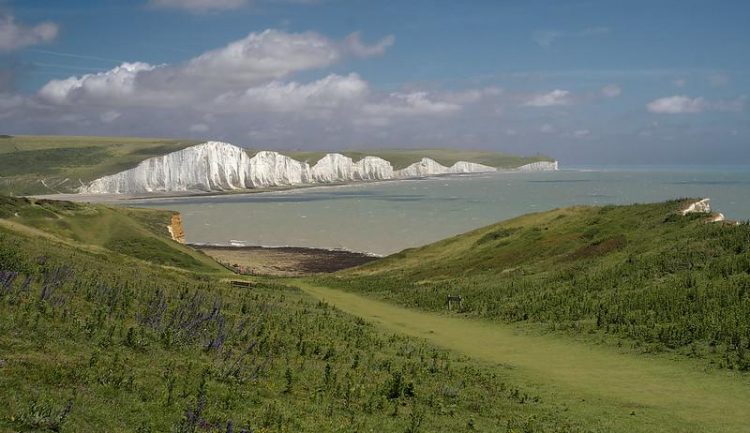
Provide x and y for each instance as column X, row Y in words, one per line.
column 539, row 166
column 217, row 166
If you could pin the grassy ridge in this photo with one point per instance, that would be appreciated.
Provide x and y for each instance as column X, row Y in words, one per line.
column 140, row 233
column 96, row 340
column 643, row 274
column 52, row 164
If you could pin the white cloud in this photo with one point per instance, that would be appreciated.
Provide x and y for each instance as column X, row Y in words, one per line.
column 547, row 128
column 680, row 104
column 611, row 91
column 198, row 127
column 110, row 116
column 327, row 93
column 199, row 6
column 676, row 104
column 115, row 84
column 254, row 61
column 354, row 45
column 556, row 97
column 545, row 38
column 581, row 133
column 14, row 36
column 409, row 104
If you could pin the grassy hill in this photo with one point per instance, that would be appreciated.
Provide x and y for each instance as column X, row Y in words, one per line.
column 641, row 274
column 52, row 164
column 33, row 165
column 98, row 339
column 139, row 233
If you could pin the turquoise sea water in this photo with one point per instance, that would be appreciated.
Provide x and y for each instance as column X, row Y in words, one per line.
column 387, row 217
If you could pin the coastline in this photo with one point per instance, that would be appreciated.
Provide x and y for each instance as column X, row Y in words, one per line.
column 155, row 196
column 283, row 261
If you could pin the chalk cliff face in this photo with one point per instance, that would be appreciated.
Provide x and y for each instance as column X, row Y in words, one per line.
column 539, row 166
column 429, row 167
column 336, row 167
column 217, row 166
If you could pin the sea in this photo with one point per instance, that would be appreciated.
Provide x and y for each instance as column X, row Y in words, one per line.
column 382, row 218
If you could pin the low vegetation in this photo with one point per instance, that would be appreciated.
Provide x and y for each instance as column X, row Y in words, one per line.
column 643, row 275
column 94, row 339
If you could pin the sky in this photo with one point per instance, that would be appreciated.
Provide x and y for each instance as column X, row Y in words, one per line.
column 587, row 82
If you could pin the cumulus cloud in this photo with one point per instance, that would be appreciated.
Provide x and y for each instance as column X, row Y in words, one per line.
column 327, row 93
column 199, row 6
column 252, row 77
column 611, row 91
column 680, row 104
column 545, row 38
column 15, row 36
column 353, row 43
column 554, row 98
column 258, row 60
column 409, row 104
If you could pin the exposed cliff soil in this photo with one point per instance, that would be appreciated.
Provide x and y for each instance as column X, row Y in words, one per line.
column 284, row 261
column 175, row 228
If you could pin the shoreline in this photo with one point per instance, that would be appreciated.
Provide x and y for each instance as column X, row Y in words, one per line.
column 283, row 261
column 177, row 195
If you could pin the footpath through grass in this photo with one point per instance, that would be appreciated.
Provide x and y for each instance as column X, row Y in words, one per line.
column 620, row 392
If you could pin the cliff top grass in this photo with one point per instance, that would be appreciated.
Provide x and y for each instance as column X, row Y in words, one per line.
column 59, row 164
column 138, row 233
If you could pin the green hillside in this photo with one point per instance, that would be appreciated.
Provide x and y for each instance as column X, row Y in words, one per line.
column 92, row 339
column 643, row 275
column 139, row 233
column 54, row 164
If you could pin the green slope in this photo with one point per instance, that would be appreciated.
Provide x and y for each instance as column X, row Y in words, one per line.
column 621, row 391
column 640, row 275
column 94, row 340
column 139, row 233
column 53, row 164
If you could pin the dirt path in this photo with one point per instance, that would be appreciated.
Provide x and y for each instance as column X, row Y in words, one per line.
column 614, row 391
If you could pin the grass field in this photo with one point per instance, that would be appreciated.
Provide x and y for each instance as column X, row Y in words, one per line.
column 95, row 340
column 55, row 164
column 612, row 390
column 643, row 276
column 140, row 233
column 108, row 325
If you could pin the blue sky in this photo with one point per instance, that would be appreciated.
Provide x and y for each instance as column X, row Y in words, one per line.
column 586, row 81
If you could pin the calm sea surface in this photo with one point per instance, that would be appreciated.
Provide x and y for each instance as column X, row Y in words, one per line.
column 387, row 217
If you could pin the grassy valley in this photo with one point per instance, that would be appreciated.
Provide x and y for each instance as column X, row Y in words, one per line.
column 641, row 275
column 94, row 338
column 108, row 324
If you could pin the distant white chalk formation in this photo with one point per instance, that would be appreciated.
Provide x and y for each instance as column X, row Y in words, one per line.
column 217, row 166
